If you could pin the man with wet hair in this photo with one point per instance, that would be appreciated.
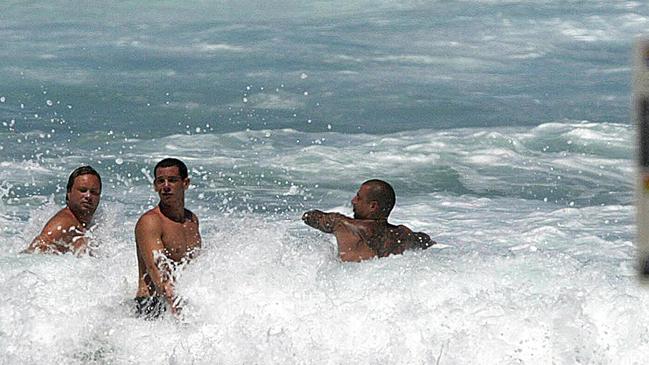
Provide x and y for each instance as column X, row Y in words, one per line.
column 166, row 237
column 368, row 234
column 66, row 230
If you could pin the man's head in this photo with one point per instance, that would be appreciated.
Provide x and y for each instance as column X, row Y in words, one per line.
column 83, row 192
column 171, row 162
column 374, row 200
column 170, row 181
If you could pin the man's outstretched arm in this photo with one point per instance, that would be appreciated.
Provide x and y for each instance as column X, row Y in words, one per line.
column 351, row 245
column 325, row 222
column 148, row 238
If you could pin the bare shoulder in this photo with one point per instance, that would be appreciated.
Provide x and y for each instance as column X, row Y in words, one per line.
column 62, row 227
column 191, row 216
column 367, row 225
column 403, row 230
column 63, row 219
column 59, row 225
column 416, row 239
column 149, row 220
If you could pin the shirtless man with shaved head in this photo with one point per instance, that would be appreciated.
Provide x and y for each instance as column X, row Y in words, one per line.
column 368, row 234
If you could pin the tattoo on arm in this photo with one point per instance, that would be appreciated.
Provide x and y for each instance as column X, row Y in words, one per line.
column 325, row 222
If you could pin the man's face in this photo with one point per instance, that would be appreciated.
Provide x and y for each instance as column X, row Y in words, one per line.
column 362, row 206
column 169, row 185
column 83, row 197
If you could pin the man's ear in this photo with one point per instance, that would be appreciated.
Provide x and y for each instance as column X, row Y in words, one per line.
column 186, row 183
column 374, row 206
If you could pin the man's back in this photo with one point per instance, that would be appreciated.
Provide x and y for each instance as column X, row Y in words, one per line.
column 361, row 239
column 387, row 239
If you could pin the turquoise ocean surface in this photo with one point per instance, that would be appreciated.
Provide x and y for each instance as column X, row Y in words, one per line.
column 504, row 126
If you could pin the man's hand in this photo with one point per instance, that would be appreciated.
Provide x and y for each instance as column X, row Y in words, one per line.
column 423, row 240
column 176, row 305
column 311, row 217
column 325, row 222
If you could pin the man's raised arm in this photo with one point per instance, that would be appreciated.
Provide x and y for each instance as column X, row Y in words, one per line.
column 148, row 238
column 325, row 222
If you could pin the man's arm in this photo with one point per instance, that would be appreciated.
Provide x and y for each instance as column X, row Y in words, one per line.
column 351, row 244
column 198, row 240
column 148, row 238
column 325, row 222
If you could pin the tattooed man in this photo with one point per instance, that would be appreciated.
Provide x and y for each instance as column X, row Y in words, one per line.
column 166, row 236
column 368, row 234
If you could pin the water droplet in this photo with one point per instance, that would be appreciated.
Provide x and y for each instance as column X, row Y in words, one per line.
column 2, row 99
column 329, row 126
column 49, row 102
column 119, row 161
column 303, row 76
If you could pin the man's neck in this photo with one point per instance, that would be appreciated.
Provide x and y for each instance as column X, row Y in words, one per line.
column 83, row 219
column 380, row 218
column 175, row 213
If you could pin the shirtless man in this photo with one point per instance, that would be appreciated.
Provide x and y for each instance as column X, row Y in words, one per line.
column 65, row 231
column 368, row 234
column 166, row 236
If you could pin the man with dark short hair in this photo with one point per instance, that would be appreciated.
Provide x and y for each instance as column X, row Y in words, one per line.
column 166, row 237
column 368, row 234
column 65, row 231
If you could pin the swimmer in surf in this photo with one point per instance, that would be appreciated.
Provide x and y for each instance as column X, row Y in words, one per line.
column 66, row 230
column 368, row 234
column 166, row 236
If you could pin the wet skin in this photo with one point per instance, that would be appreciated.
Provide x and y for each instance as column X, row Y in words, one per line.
column 65, row 231
column 166, row 236
column 368, row 234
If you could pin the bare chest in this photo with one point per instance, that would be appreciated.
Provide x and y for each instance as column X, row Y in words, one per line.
column 179, row 239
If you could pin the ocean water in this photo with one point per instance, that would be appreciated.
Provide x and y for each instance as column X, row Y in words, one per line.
column 504, row 127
